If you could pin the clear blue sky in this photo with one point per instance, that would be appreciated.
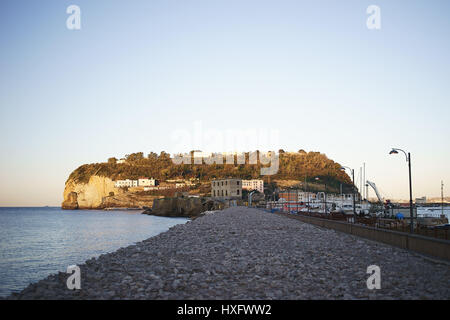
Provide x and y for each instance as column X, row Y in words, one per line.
column 137, row 70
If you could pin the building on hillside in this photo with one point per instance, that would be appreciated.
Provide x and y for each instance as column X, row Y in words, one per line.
column 141, row 182
column 121, row 160
column 125, row 183
column 254, row 184
column 146, row 182
column 226, row 188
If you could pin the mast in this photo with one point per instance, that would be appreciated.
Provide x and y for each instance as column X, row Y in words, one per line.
column 361, row 191
column 364, row 180
column 442, row 197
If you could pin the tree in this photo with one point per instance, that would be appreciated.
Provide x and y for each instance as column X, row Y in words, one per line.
column 135, row 156
column 164, row 155
column 152, row 156
column 293, row 166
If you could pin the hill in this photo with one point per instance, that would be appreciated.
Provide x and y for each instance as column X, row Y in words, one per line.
column 293, row 166
column 91, row 186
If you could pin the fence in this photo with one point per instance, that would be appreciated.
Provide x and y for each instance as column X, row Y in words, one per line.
column 425, row 245
column 400, row 225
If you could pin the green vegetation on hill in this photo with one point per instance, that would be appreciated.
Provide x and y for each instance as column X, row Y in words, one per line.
column 293, row 166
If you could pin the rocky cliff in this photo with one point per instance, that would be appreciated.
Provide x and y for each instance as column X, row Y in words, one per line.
column 99, row 193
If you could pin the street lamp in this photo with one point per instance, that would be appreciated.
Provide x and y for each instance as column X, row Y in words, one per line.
column 324, row 195
column 306, row 192
column 353, row 178
column 408, row 159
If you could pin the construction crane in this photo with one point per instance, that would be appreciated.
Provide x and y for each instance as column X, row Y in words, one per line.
column 374, row 187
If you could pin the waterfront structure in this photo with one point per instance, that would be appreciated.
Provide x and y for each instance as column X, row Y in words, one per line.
column 306, row 197
column 335, row 202
column 289, row 195
column 226, row 188
column 254, row 184
column 421, row 200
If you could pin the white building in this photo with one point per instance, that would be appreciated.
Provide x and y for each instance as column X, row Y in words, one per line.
column 306, row 197
column 141, row 182
column 125, row 183
column 253, row 185
column 146, row 182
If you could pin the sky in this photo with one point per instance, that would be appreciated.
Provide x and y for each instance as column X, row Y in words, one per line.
column 144, row 75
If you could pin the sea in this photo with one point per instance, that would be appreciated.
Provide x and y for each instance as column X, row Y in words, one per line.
column 434, row 212
column 37, row 242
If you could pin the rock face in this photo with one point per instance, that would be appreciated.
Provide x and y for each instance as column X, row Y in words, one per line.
column 100, row 193
column 183, row 206
column 71, row 202
column 87, row 195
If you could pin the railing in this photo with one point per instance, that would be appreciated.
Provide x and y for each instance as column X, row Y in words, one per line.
column 376, row 222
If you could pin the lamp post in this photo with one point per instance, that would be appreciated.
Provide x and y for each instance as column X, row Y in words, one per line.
column 353, row 179
column 324, row 196
column 408, row 159
column 442, row 198
column 306, row 192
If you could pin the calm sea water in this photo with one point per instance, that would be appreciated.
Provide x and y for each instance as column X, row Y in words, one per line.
column 433, row 212
column 36, row 242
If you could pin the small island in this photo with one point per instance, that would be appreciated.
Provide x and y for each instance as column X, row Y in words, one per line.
column 161, row 187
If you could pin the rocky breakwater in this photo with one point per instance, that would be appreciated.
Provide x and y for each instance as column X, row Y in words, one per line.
column 243, row 253
column 183, row 206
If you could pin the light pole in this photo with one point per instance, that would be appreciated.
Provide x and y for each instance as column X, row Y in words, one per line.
column 353, row 179
column 442, row 198
column 306, row 192
column 324, row 196
column 408, row 159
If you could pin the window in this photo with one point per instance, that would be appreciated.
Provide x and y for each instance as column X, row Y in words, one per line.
column 226, row 192
column 237, row 192
column 237, row 182
column 214, row 193
column 222, row 193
